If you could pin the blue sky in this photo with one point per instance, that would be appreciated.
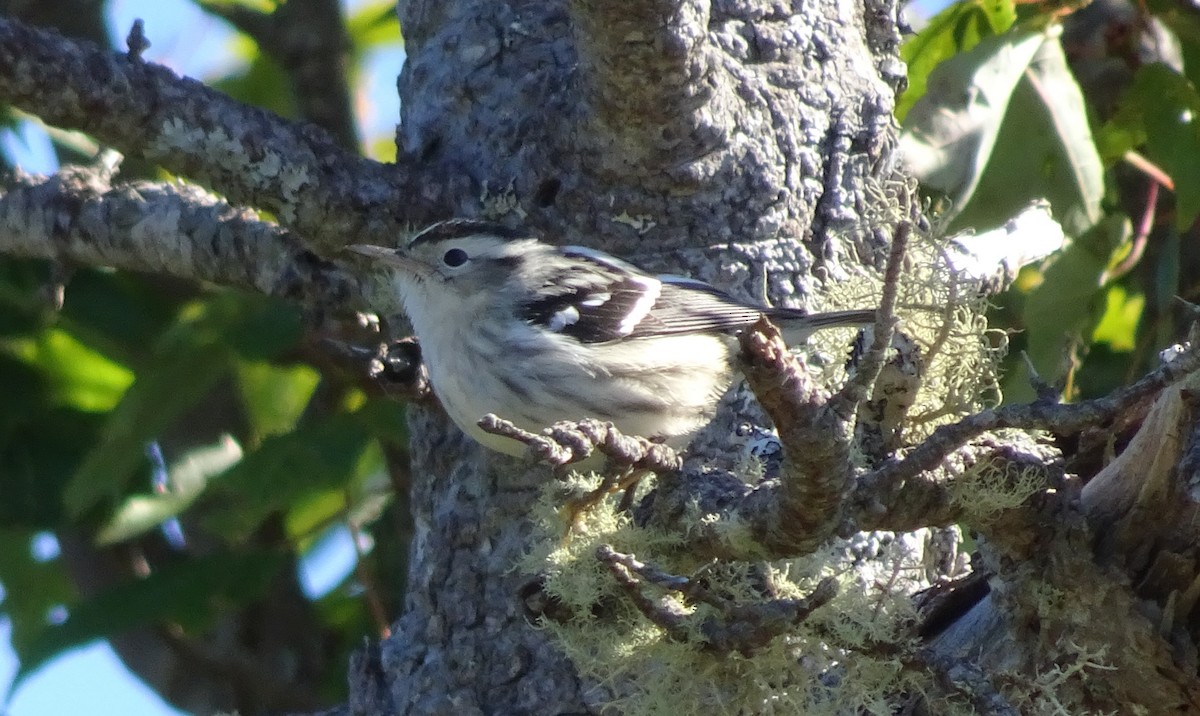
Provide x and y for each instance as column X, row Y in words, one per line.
column 91, row 680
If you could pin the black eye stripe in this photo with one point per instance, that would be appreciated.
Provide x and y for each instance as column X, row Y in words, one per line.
column 455, row 258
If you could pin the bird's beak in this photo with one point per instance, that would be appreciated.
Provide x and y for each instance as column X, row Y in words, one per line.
column 376, row 252
column 388, row 257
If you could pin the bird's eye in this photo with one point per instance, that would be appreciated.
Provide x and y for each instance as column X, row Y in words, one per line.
column 455, row 258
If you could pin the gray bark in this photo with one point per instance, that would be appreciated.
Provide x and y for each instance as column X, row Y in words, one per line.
column 722, row 140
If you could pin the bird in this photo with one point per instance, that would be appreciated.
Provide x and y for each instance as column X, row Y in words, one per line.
column 538, row 334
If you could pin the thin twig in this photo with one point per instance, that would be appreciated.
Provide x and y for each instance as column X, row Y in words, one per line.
column 858, row 388
column 570, row 442
column 738, row 627
column 1058, row 418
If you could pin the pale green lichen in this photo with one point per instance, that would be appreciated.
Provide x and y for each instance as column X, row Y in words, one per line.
column 229, row 154
column 1059, row 689
column 940, row 308
column 987, row 489
column 825, row 666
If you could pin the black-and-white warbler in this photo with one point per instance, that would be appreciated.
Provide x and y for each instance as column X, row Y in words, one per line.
column 539, row 334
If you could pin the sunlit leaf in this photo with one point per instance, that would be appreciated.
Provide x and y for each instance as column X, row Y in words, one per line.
column 1057, row 159
column 186, row 479
column 1118, row 324
column 372, row 24
column 954, row 30
column 261, row 82
column 1066, row 305
column 289, row 468
column 274, row 396
column 357, row 502
column 76, row 375
column 314, row 512
column 383, row 149
column 949, row 134
column 1013, row 90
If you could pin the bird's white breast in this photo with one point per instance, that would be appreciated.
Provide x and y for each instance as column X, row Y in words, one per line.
column 536, row 378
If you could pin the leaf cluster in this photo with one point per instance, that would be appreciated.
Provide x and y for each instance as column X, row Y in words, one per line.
column 194, row 440
column 1091, row 109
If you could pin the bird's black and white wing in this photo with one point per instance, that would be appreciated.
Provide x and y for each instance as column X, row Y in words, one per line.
column 605, row 299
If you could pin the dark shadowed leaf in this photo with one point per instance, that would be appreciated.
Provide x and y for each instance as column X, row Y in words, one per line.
column 32, row 588
column 288, row 469
column 189, row 594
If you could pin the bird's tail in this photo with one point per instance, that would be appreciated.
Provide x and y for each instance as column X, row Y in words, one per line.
column 797, row 325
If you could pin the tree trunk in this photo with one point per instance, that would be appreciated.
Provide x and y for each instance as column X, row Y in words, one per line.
column 724, row 141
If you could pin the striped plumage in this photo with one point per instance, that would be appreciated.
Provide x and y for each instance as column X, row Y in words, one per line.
column 539, row 334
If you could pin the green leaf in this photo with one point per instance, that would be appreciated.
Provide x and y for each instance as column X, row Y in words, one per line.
column 360, row 501
column 160, row 394
column 312, row 513
column 262, row 83
column 256, row 328
column 31, row 587
column 287, row 469
column 38, row 456
column 25, row 389
column 1057, row 160
column 259, row 328
column 274, row 397
column 1119, row 322
column 263, row 6
column 1013, row 90
column 189, row 594
column 954, row 30
column 950, row 132
column 386, row 420
column 186, row 479
column 117, row 313
column 373, row 24
column 1164, row 107
column 1066, row 304
column 76, row 375
column 192, row 355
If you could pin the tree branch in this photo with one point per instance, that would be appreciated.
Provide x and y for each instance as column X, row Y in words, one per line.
column 1058, row 418
column 308, row 38
column 175, row 229
column 249, row 155
column 737, row 626
column 571, row 442
column 796, row 512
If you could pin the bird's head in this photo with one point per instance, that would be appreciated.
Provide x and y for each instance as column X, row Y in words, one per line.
column 462, row 257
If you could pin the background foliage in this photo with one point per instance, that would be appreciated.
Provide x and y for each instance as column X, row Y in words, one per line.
column 209, row 439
